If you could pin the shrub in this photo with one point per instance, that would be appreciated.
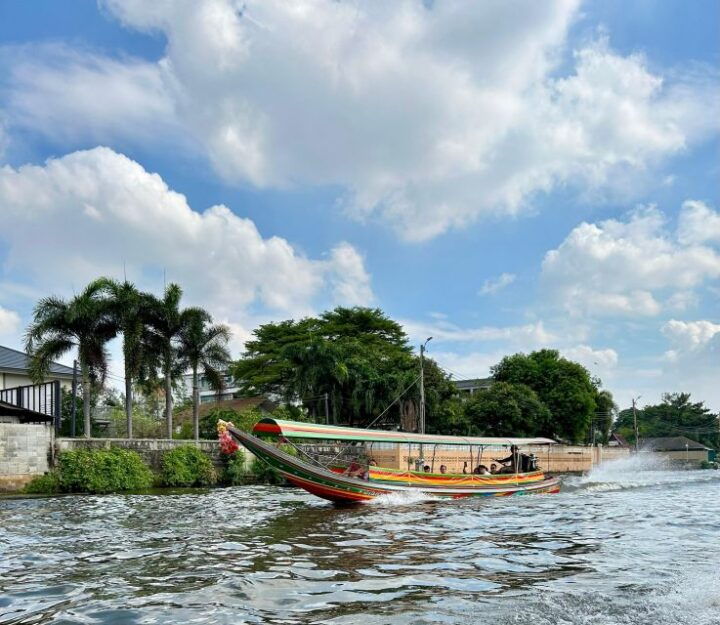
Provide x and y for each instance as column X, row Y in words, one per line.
column 187, row 466
column 264, row 473
column 44, row 484
column 208, row 423
column 235, row 472
column 102, row 471
column 186, row 432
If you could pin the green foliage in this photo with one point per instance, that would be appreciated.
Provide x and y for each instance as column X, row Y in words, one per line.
column 358, row 357
column 449, row 416
column 264, row 473
column 102, row 471
column 235, row 473
column 443, row 409
column 187, row 466
column 185, row 433
column 144, row 425
column 83, row 322
column 507, row 410
column 46, row 484
column 565, row 387
column 203, row 348
column 676, row 415
column 605, row 412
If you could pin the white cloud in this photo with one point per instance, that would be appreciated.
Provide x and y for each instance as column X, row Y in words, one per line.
column 9, row 324
column 471, row 365
column 690, row 335
column 622, row 267
column 70, row 94
column 92, row 212
column 592, row 359
column 478, row 363
column 698, row 223
column 528, row 336
column 350, row 280
column 493, row 285
column 428, row 115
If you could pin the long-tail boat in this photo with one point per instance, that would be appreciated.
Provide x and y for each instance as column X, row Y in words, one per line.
column 330, row 480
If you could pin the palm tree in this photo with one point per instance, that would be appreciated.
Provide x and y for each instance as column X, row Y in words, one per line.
column 129, row 308
column 165, row 324
column 203, row 346
column 84, row 322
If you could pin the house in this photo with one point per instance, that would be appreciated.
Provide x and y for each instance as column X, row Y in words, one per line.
column 678, row 449
column 15, row 370
column 616, row 440
column 207, row 394
column 21, row 401
column 467, row 388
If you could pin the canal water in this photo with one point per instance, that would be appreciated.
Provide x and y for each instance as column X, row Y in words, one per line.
column 624, row 545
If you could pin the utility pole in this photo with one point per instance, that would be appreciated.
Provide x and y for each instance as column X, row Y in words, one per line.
column 421, row 424
column 73, row 409
column 422, row 385
column 327, row 410
column 635, row 420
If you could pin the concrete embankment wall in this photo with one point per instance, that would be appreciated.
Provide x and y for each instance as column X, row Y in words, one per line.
column 25, row 451
column 150, row 449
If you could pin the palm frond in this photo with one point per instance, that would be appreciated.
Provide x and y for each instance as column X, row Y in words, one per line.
column 47, row 351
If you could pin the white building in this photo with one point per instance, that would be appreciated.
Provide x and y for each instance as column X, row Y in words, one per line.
column 15, row 370
column 206, row 393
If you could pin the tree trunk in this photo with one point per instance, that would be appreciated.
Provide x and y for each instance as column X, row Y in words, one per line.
column 196, row 404
column 128, row 401
column 86, row 398
column 168, row 397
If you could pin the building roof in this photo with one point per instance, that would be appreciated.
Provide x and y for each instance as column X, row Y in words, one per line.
column 23, row 414
column 316, row 431
column 242, row 404
column 672, row 443
column 13, row 360
column 473, row 383
column 620, row 440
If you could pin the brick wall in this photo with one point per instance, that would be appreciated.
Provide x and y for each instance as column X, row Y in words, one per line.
column 24, row 453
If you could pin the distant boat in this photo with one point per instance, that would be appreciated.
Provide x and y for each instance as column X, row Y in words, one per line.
column 360, row 481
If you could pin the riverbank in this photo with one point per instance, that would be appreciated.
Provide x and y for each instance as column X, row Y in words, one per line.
column 113, row 470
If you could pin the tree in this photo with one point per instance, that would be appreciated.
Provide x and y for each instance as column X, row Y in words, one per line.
column 676, row 415
column 443, row 409
column 357, row 358
column 165, row 325
column 565, row 387
column 507, row 409
column 203, row 346
column 605, row 411
column 84, row 322
column 128, row 307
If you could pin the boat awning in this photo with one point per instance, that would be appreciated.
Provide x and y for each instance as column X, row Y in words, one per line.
column 314, row 431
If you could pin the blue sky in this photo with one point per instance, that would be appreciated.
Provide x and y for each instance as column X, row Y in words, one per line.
column 501, row 176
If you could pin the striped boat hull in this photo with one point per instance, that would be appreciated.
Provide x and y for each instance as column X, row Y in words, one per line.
column 339, row 488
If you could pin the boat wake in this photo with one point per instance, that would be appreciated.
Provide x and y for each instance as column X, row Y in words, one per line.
column 690, row 598
column 401, row 498
column 635, row 471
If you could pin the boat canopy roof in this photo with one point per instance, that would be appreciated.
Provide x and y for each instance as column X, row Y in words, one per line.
column 315, row 431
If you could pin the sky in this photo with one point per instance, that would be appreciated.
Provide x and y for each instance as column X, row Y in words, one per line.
column 501, row 176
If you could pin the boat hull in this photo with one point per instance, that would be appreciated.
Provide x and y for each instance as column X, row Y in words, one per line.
column 344, row 489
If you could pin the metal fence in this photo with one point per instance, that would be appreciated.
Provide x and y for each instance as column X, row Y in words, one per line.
column 41, row 398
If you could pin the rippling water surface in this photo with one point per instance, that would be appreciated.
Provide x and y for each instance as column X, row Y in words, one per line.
column 621, row 546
